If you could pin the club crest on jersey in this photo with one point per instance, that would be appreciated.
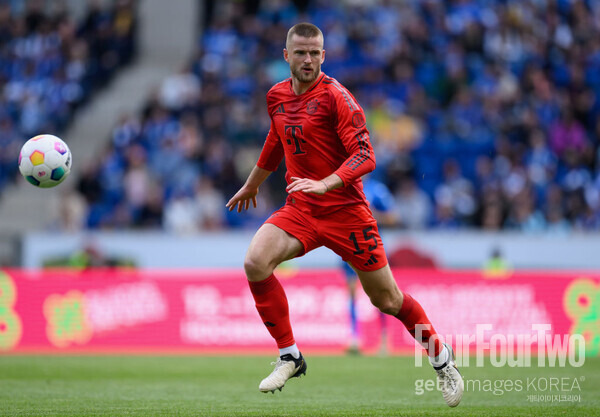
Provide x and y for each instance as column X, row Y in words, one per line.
column 358, row 120
column 311, row 106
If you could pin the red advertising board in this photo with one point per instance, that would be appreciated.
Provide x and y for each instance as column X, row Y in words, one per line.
column 213, row 310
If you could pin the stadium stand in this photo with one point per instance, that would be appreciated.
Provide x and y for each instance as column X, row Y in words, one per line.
column 489, row 107
column 51, row 65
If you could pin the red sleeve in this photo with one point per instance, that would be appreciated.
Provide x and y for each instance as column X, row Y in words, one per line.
column 350, row 124
column 272, row 151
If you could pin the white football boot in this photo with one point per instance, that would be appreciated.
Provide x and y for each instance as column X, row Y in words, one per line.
column 450, row 381
column 286, row 367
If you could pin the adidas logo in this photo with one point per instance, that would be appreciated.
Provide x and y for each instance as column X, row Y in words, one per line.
column 269, row 324
column 280, row 109
column 372, row 260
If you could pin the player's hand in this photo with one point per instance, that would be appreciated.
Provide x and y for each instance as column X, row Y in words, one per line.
column 242, row 199
column 306, row 186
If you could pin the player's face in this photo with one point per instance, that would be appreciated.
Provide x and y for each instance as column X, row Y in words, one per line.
column 305, row 56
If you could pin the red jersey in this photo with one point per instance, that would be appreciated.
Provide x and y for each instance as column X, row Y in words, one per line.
column 320, row 132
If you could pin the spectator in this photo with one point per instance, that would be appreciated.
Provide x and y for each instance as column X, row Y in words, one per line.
column 412, row 205
column 209, row 205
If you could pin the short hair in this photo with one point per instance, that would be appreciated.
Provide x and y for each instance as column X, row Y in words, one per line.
column 305, row 30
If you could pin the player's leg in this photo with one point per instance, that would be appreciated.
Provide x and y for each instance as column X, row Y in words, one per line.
column 353, row 234
column 271, row 245
column 384, row 293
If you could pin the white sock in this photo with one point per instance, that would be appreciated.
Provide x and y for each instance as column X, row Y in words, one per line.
column 290, row 349
column 440, row 359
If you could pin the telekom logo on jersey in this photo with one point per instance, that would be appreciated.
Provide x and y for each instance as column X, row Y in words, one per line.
column 295, row 133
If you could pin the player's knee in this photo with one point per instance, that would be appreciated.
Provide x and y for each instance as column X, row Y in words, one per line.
column 387, row 308
column 252, row 266
column 386, row 303
column 256, row 269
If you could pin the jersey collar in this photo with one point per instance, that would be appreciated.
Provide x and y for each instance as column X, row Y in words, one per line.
column 312, row 87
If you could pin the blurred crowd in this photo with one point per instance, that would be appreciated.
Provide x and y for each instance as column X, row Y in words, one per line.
column 51, row 64
column 483, row 114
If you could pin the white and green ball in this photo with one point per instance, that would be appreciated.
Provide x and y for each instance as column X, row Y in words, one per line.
column 45, row 161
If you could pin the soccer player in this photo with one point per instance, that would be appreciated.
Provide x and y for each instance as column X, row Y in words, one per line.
column 318, row 126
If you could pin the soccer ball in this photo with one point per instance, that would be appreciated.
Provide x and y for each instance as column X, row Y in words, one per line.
column 45, row 161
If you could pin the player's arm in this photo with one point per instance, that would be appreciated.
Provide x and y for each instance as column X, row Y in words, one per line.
column 249, row 190
column 318, row 187
column 270, row 158
column 350, row 122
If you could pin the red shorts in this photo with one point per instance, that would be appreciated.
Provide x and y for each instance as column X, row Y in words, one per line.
column 351, row 232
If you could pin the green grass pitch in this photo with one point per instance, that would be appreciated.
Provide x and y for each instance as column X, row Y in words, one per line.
column 228, row 386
